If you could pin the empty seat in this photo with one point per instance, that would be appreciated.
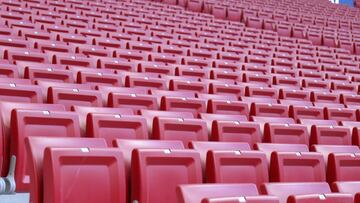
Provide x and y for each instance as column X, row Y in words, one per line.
column 110, row 184
column 186, row 130
column 156, row 173
column 296, row 192
column 297, row 167
column 270, row 110
column 115, row 126
column 5, row 111
column 343, row 167
column 269, row 148
column 39, row 123
column 306, row 112
column 330, row 135
column 35, row 147
column 69, row 97
column 127, row 147
column 325, row 150
column 83, row 112
column 195, row 106
column 350, row 187
column 194, row 193
column 286, row 133
column 135, row 102
column 249, row 199
column 231, row 167
column 204, row 147
column 223, row 106
column 13, row 92
column 340, row 114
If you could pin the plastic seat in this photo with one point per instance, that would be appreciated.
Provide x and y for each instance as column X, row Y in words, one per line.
column 29, row 123
column 71, row 60
column 350, row 187
column 116, row 64
column 69, row 97
column 249, row 199
column 286, row 133
column 49, row 74
column 223, row 106
column 270, row 110
column 110, row 184
column 306, row 112
column 84, row 111
column 343, row 167
column 230, row 167
column 134, row 101
column 14, row 92
column 269, row 148
column 297, row 167
column 204, row 147
column 5, row 109
column 35, row 147
column 330, row 135
column 340, row 114
column 168, row 167
column 262, row 92
column 186, row 130
column 115, row 126
column 227, row 89
column 195, row 106
column 98, row 78
column 303, row 192
column 328, row 149
column 159, row 68
column 127, row 146
column 145, row 82
column 187, row 85
column 194, row 193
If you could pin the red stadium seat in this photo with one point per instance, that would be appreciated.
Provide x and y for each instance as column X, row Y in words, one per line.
column 230, row 167
column 286, row 133
column 269, row 148
column 168, row 167
column 304, row 192
column 330, row 135
column 115, row 126
column 328, row 149
column 29, row 123
column 297, row 167
column 193, row 193
column 343, row 167
column 110, row 184
column 204, row 147
column 35, row 147
column 186, row 130
column 69, row 97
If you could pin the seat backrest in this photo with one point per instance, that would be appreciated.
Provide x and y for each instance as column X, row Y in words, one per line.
column 325, row 150
column 231, row 167
column 35, row 147
column 155, row 173
column 204, row 147
column 351, row 187
column 29, row 123
column 284, row 190
column 5, row 114
column 297, row 167
column 83, row 112
column 115, row 126
column 194, row 193
column 127, row 147
column 65, row 168
column 269, row 148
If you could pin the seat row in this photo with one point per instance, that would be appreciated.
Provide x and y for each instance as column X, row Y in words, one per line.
column 139, row 170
